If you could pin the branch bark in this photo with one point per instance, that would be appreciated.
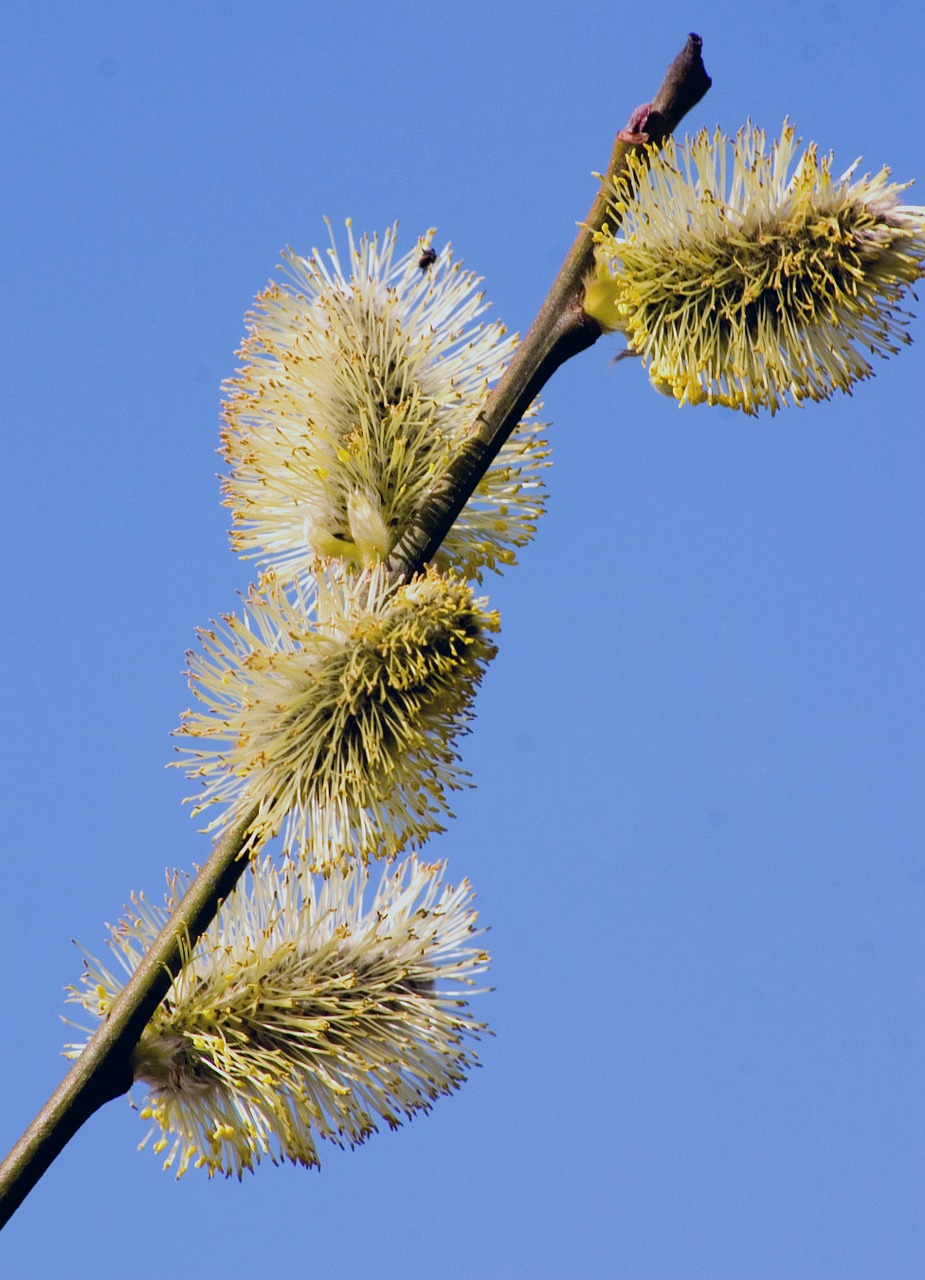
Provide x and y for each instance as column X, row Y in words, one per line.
column 103, row 1071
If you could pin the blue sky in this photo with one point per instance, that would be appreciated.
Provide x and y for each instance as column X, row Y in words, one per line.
column 697, row 828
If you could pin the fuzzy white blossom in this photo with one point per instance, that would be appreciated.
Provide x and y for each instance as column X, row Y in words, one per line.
column 360, row 383
column 306, row 1011
column 748, row 275
column 335, row 712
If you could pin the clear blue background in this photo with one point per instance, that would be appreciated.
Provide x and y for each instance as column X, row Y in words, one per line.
column 697, row 832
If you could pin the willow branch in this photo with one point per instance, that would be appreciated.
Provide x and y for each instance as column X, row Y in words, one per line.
column 561, row 329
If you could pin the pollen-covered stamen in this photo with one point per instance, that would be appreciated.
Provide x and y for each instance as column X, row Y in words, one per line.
column 763, row 284
column 305, row 1012
column 364, row 379
column 337, row 714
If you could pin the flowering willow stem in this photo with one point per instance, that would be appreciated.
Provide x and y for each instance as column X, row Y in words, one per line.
column 561, row 330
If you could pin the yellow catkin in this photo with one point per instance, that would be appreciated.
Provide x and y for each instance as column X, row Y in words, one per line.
column 756, row 279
